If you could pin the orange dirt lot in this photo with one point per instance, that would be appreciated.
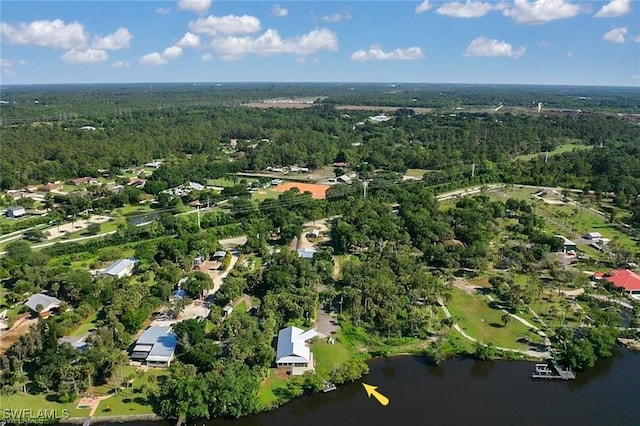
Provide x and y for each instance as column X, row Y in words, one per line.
column 318, row 192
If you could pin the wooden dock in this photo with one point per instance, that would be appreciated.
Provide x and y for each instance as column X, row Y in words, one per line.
column 551, row 370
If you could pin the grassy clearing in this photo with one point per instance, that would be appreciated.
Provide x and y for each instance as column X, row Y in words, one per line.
column 329, row 356
column 266, row 396
column 25, row 401
column 560, row 149
column 221, row 182
column 264, row 194
column 416, row 172
column 133, row 400
column 133, row 209
column 86, row 326
column 474, row 315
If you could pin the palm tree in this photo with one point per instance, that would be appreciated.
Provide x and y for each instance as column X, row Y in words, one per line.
column 505, row 319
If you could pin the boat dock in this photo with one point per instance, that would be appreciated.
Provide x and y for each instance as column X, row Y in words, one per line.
column 551, row 370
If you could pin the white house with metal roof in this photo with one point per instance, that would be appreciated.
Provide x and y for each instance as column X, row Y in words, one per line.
column 120, row 268
column 155, row 347
column 46, row 302
column 292, row 351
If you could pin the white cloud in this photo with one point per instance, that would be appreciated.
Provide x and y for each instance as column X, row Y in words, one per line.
column 115, row 41
column 84, row 56
column 614, row 8
column 376, row 52
column 636, row 76
column 569, row 54
column 189, row 40
column 488, row 47
column 423, row 7
column 637, row 38
column 541, row 11
column 279, row 11
column 305, row 60
column 230, row 24
column 270, row 43
column 616, row 35
column 153, row 58
column 543, row 44
column 120, row 64
column 198, row 6
column 172, row 52
column 337, row 17
column 470, row 9
column 54, row 34
column 10, row 63
column 163, row 10
column 206, row 57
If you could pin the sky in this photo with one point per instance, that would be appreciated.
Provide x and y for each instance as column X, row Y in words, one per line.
column 498, row 42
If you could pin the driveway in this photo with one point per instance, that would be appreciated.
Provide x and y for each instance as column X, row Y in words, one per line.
column 326, row 325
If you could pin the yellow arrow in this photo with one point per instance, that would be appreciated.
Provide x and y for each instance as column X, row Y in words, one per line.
column 371, row 390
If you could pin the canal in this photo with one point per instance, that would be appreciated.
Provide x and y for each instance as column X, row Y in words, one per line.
column 467, row 392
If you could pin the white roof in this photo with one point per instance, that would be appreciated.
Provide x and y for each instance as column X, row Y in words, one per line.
column 118, row 266
column 291, row 345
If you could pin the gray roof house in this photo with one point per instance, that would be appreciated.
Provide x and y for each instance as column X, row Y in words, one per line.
column 120, row 268
column 48, row 303
column 292, row 351
column 155, row 347
column 15, row 211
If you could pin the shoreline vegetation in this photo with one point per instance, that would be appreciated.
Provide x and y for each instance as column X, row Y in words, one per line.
column 432, row 233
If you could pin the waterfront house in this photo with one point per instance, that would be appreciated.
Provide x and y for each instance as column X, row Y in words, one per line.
column 292, row 351
column 155, row 347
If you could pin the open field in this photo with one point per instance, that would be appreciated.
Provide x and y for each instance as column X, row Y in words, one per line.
column 474, row 315
column 560, row 149
column 264, row 194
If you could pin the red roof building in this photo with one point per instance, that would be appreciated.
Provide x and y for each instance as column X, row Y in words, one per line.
column 625, row 279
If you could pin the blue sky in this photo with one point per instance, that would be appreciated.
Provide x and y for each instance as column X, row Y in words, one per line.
column 468, row 41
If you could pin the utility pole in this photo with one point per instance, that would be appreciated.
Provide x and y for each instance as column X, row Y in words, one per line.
column 546, row 156
column 473, row 170
column 364, row 188
column 199, row 217
column 208, row 203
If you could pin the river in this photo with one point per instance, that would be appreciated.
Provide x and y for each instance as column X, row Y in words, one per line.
column 467, row 392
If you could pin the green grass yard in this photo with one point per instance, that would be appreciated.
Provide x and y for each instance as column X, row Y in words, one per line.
column 560, row 149
column 328, row 356
column 474, row 315
column 266, row 395
column 86, row 326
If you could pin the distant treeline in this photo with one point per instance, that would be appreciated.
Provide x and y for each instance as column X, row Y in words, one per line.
column 61, row 102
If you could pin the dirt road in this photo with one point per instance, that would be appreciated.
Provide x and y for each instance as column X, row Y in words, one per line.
column 20, row 327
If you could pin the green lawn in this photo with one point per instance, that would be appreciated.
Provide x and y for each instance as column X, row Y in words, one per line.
column 86, row 326
column 560, row 149
column 329, row 356
column 474, row 315
column 129, row 210
column 416, row 172
column 263, row 194
column 221, row 182
column 266, row 396
column 25, row 401
column 131, row 400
